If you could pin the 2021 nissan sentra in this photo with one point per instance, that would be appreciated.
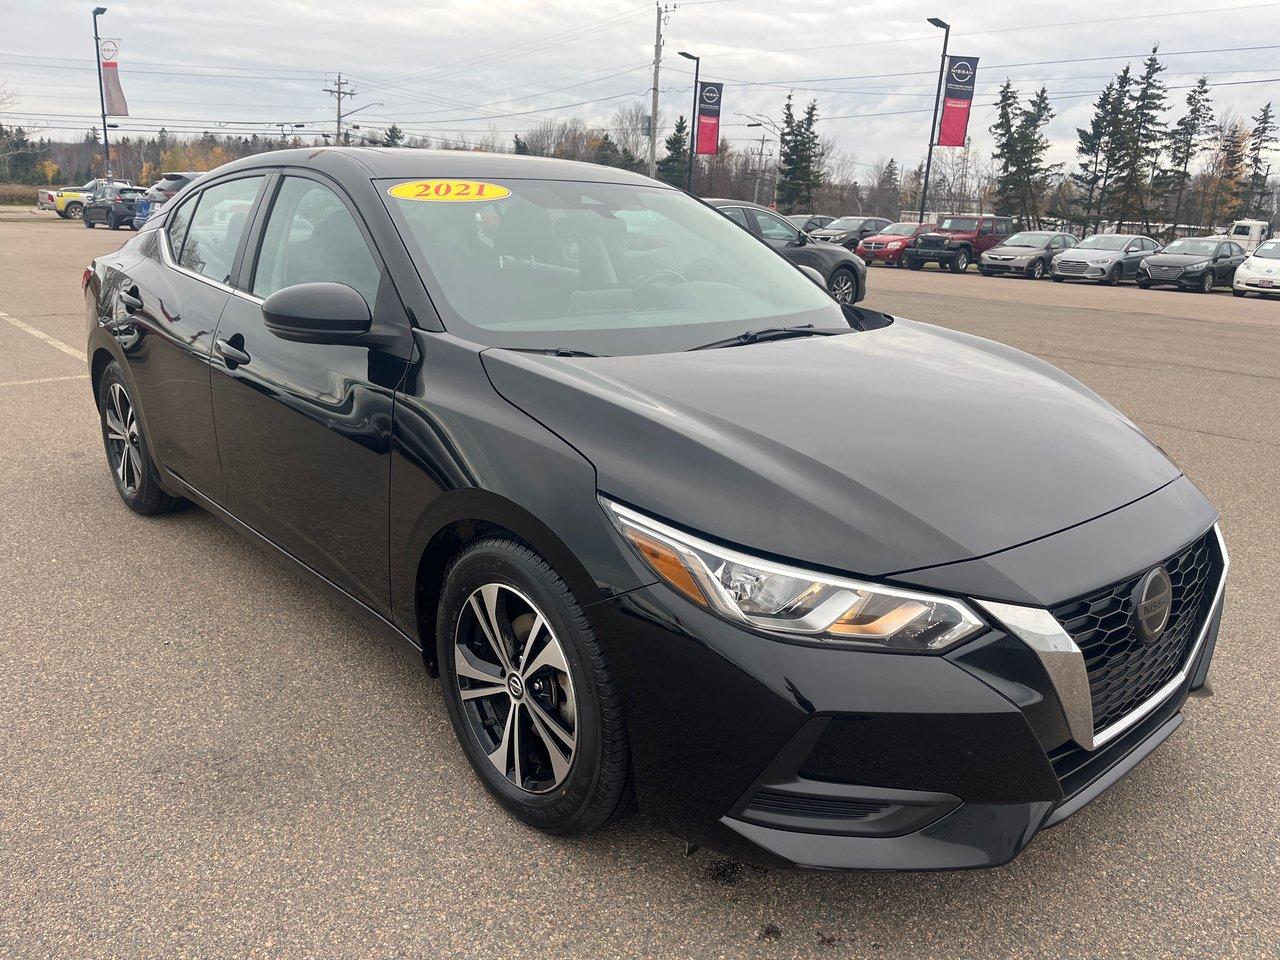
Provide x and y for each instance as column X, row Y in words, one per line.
column 815, row 585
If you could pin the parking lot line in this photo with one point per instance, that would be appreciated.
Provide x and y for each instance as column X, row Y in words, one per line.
column 41, row 335
column 28, row 383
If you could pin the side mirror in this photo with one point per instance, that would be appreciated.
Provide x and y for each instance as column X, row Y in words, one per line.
column 798, row 241
column 815, row 276
column 316, row 313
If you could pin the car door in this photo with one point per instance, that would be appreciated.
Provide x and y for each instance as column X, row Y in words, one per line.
column 1228, row 257
column 786, row 239
column 1134, row 253
column 170, row 300
column 304, row 429
column 95, row 210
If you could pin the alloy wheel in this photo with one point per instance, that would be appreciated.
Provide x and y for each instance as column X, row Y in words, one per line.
column 842, row 287
column 1037, row 270
column 123, row 440
column 516, row 692
column 1206, row 285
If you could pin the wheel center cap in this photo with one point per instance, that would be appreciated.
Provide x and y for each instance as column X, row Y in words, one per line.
column 515, row 686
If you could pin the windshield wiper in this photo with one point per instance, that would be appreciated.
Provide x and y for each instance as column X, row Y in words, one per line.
column 773, row 333
column 553, row 351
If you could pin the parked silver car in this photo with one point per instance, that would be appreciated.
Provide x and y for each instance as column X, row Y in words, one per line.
column 1025, row 254
column 1105, row 258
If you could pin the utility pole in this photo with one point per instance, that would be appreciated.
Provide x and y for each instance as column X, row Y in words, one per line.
column 653, row 108
column 337, row 91
column 937, row 99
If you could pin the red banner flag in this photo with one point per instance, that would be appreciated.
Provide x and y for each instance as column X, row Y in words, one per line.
column 957, row 96
column 706, row 132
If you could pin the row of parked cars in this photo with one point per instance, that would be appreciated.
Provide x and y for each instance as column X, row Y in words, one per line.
column 1245, row 259
column 113, row 202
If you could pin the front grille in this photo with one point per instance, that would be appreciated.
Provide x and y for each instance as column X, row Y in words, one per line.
column 1166, row 273
column 1071, row 266
column 1124, row 671
column 875, row 246
column 932, row 243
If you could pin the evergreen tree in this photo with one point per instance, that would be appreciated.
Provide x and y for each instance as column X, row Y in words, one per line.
column 1115, row 135
column 1185, row 140
column 521, row 146
column 1034, row 174
column 607, row 153
column 799, row 158
column 1143, row 137
column 393, row 137
column 1260, row 142
column 1090, row 147
column 1006, row 153
column 673, row 168
column 1228, row 170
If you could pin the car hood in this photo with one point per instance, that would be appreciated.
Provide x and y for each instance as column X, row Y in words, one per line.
column 886, row 238
column 868, row 453
column 1090, row 256
column 1261, row 265
column 829, row 234
column 1176, row 259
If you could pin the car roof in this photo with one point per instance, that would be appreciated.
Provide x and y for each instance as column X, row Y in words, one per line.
column 406, row 162
column 722, row 202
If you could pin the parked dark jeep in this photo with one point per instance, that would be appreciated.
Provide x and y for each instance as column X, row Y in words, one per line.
column 958, row 241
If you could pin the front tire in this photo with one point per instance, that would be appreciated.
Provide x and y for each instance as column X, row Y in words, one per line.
column 134, row 472
column 531, row 699
column 961, row 262
column 1206, row 284
column 1112, row 278
column 1037, row 271
column 843, row 286
column 1238, row 293
column 914, row 264
column 1144, row 284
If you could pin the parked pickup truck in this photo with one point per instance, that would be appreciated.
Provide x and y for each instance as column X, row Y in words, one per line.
column 68, row 202
column 958, row 241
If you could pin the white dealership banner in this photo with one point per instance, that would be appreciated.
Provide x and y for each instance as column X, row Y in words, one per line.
column 112, row 92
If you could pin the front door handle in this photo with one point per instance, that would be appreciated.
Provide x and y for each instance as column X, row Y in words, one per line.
column 231, row 352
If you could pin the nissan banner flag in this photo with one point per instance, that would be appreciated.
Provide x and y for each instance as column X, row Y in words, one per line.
column 112, row 94
column 706, row 133
column 957, row 96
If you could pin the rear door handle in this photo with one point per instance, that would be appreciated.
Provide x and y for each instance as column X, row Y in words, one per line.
column 234, row 356
column 130, row 299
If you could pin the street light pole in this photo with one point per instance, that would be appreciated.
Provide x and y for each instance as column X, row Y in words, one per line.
column 693, row 120
column 102, row 96
column 937, row 99
column 755, row 187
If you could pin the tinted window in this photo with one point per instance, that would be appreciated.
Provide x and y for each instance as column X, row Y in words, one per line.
column 1237, row 250
column 737, row 215
column 1240, row 230
column 312, row 237
column 1004, row 226
column 772, row 226
column 177, row 227
column 221, row 218
column 846, row 223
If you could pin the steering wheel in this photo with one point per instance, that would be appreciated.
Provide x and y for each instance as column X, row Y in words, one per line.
column 657, row 276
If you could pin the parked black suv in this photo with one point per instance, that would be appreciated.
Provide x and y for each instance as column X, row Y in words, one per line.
column 815, row 584
column 113, row 205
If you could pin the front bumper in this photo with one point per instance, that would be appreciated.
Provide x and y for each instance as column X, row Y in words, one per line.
column 1184, row 280
column 1005, row 266
column 1254, row 284
column 883, row 255
column 932, row 254
column 1075, row 270
column 795, row 755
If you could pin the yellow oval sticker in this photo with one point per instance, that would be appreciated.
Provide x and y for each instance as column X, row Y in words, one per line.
column 448, row 191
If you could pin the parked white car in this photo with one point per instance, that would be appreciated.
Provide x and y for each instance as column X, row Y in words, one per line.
column 1260, row 272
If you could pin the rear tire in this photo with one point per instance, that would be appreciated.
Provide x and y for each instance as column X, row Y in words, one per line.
column 88, row 224
column 134, row 472
column 72, row 211
column 112, row 222
column 548, row 690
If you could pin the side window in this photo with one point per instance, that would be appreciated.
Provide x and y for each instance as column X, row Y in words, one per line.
column 220, row 220
column 774, row 227
column 310, row 237
column 986, row 229
column 737, row 215
column 1150, row 244
column 177, row 227
column 1237, row 250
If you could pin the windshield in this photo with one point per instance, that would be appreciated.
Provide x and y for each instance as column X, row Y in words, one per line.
column 845, row 223
column 901, row 229
column 604, row 268
column 1204, row 248
column 959, row 224
column 1269, row 250
column 1028, row 240
column 1103, row 241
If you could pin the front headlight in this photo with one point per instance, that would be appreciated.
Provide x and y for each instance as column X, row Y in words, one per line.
column 1200, row 265
column 895, row 244
column 786, row 600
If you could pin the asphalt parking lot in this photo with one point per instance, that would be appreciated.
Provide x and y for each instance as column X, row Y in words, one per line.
column 204, row 754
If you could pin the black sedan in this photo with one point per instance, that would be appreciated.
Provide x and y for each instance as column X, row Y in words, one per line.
column 813, row 584
column 850, row 231
column 113, row 205
column 1193, row 263
column 844, row 273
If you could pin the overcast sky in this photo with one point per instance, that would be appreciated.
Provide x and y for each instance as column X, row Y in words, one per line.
column 440, row 68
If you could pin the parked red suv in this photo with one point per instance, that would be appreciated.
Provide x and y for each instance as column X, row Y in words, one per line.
column 888, row 245
column 958, row 241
